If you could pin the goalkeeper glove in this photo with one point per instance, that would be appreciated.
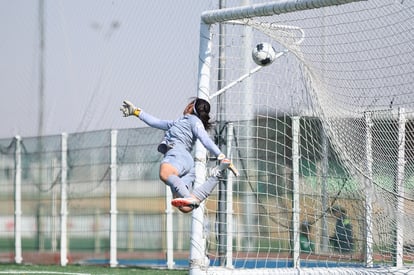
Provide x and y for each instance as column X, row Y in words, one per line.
column 221, row 156
column 227, row 163
column 128, row 109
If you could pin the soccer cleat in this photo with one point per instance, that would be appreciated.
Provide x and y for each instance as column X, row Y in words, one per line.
column 217, row 171
column 234, row 170
column 224, row 164
column 190, row 202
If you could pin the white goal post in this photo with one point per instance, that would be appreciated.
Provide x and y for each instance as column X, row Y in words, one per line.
column 308, row 134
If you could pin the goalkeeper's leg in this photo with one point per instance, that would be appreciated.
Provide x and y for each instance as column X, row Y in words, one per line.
column 201, row 192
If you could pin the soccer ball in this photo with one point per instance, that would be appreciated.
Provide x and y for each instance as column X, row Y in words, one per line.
column 263, row 54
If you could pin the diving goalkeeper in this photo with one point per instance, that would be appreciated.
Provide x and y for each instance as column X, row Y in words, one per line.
column 177, row 166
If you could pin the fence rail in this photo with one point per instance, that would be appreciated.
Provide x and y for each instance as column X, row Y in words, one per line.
column 84, row 196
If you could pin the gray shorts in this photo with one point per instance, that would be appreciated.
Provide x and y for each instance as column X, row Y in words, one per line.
column 181, row 159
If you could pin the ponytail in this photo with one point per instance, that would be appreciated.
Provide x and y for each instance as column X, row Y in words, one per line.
column 202, row 110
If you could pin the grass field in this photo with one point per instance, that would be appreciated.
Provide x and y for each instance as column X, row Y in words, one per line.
column 83, row 270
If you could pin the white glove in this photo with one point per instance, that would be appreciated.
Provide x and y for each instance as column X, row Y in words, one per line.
column 128, row 109
column 221, row 157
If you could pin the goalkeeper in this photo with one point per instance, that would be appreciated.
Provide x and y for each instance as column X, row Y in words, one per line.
column 177, row 167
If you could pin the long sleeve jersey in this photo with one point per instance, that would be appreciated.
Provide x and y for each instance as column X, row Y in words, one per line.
column 183, row 131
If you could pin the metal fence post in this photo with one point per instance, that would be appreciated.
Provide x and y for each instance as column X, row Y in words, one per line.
column 63, row 204
column 18, row 202
column 113, row 211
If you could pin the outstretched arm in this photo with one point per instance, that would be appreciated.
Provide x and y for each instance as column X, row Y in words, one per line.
column 128, row 109
column 155, row 122
column 205, row 139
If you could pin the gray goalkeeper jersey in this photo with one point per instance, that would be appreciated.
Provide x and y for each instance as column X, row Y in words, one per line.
column 182, row 132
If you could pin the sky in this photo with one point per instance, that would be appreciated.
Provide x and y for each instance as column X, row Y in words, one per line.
column 96, row 54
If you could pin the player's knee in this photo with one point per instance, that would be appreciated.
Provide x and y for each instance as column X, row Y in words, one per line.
column 167, row 170
column 163, row 177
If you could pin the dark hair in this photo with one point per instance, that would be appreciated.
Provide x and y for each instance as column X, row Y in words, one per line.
column 202, row 110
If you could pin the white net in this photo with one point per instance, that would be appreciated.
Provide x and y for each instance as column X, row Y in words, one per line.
column 347, row 79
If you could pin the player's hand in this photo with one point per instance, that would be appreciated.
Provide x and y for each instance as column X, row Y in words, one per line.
column 221, row 157
column 128, row 109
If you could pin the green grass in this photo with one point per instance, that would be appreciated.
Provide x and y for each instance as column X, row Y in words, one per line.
column 83, row 270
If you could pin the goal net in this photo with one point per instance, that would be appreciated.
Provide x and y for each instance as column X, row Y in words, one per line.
column 322, row 137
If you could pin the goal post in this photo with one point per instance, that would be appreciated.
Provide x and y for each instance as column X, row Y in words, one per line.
column 321, row 138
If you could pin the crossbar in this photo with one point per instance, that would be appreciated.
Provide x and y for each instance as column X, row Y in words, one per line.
column 267, row 9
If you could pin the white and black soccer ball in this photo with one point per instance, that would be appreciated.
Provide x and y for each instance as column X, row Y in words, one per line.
column 263, row 54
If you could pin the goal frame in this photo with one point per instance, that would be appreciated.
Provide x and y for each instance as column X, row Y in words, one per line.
column 198, row 242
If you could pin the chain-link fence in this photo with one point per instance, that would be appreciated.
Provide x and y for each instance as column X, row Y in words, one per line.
column 45, row 181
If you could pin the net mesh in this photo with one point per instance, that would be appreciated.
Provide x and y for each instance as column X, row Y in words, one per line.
column 348, row 76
